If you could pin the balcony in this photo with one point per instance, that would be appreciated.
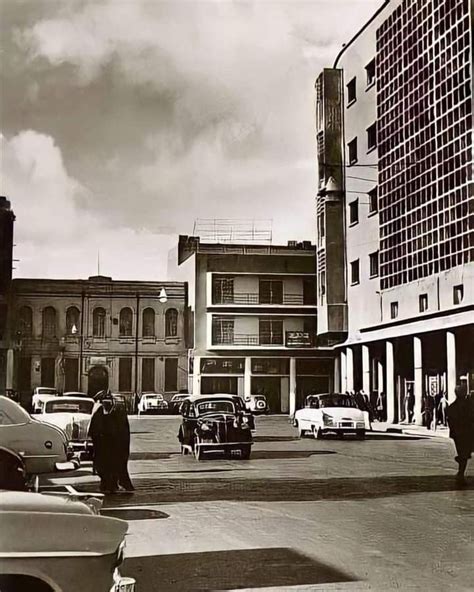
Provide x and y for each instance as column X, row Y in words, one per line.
column 293, row 340
column 252, row 299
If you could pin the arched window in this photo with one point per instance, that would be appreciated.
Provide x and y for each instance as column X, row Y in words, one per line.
column 98, row 322
column 72, row 320
column 25, row 321
column 49, row 322
column 148, row 322
column 125, row 323
column 171, row 323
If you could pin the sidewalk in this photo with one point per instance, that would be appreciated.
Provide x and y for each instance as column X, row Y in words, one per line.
column 410, row 429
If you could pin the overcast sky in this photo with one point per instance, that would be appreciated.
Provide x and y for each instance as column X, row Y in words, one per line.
column 125, row 120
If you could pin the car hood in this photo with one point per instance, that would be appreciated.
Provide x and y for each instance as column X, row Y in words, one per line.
column 343, row 412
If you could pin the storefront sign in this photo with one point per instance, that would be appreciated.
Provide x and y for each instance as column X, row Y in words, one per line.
column 298, row 339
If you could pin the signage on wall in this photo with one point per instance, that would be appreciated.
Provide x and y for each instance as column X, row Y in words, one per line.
column 97, row 361
column 297, row 339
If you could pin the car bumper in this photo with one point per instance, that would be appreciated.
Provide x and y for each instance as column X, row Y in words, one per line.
column 346, row 428
column 70, row 465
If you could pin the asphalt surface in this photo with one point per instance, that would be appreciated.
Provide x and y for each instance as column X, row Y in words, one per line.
column 380, row 514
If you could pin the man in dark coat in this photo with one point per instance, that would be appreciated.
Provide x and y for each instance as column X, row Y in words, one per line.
column 110, row 433
column 461, row 429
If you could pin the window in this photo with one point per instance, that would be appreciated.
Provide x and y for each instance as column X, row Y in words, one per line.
column 49, row 323
column 270, row 332
column 458, row 294
column 370, row 72
column 373, row 201
column 171, row 374
column 24, row 373
column 354, row 212
column 355, row 274
column 25, row 321
column 271, row 292
column 148, row 322
column 372, row 137
column 171, row 323
column 98, row 322
column 125, row 374
column 222, row 331
column 125, row 322
column 148, row 374
column 393, row 310
column 47, row 372
column 351, row 91
column 352, row 146
column 222, row 289
column 71, row 374
column 374, row 264
column 72, row 321
column 423, row 302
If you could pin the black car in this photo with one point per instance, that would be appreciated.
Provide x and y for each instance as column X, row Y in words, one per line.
column 215, row 423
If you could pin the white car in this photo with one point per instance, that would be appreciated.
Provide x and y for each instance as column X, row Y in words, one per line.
column 331, row 413
column 256, row 404
column 75, row 394
column 72, row 415
column 41, row 394
column 152, row 403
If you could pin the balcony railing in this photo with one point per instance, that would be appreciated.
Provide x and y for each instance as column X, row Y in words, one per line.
column 249, row 298
column 293, row 339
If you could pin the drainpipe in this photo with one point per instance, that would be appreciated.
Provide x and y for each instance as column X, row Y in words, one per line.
column 136, row 343
column 81, row 339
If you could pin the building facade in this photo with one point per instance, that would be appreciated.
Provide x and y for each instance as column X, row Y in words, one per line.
column 400, row 172
column 7, row 219
column 255, row 322
column 93, row 334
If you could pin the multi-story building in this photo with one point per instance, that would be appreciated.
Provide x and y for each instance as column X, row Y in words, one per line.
column 7, row 219
column 255, row 322
column 92, row 334
column 395, row 140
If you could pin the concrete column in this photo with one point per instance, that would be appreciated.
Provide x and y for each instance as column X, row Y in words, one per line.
column 451, row 374
column 292, row 406
column 366, row 369
column 349, row 369
column 197, row 375
column 10, row 369
column 380, row 376
column 390, row 382
column 248, row 376
column 336, row 387
column 343, row 372
column 418, row 377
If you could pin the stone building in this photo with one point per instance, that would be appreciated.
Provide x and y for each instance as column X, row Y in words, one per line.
column 255, row 322
column 395, row 205
column 98, row 333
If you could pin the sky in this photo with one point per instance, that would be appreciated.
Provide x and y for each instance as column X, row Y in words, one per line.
column 124, row 121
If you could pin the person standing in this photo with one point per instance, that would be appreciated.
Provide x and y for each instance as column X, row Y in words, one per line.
column 461, row 429
column 109, row 431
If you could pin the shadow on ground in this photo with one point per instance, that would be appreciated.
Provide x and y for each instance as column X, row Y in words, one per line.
column 274, row 438
column 164, row 490
column 230, row 570
column 134, row 514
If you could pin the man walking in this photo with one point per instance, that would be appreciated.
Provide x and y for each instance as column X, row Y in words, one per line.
column 461, row 429
column 110, row 433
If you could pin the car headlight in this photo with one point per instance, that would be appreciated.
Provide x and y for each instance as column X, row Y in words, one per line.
column 328, row 419
column 205, row 427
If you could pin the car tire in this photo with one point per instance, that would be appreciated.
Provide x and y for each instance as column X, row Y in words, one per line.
column 360, row 434
column 245, row 451
column 318, row 433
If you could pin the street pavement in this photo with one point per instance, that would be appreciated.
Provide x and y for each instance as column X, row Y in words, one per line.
column 346, row 515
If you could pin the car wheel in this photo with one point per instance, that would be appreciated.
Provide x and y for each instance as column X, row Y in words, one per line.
column 295, row 423
column 318, row 433
column 360, row 434
column 245, row 451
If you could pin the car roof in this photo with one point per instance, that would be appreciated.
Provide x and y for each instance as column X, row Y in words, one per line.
column 74, row 394
column 226, row 397
column 69, row 399
column 150, row 394
column 330, row 395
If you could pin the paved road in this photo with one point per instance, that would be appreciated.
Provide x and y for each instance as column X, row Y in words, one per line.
column 382, row 514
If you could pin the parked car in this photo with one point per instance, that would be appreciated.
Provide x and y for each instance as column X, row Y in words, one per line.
column 44, row 448
column 331, row 413
column 73, row 416
column 176, row 401
column 73, row 548
column 152, row 403
column 214, row 423
column 256, row 404
column 41, row 394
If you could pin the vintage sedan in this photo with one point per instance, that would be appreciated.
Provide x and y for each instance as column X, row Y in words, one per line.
column 331, row 413
column 214, row 423
column 73, row 416
column 176, row 401
column 256, row 404
column 152, row 403
column 44, row 448
column 73, row 549
column 41, row 394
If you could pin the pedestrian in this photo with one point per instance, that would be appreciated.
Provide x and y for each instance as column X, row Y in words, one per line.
column 110, row 433
column 461, row 429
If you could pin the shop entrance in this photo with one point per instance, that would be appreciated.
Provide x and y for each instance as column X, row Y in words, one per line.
column 270, row 386
column 98, row 380
column 212, row 385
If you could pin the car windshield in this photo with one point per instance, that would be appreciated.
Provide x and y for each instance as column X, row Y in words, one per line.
column 330, row 401
column 47, row 391
column 153, row 397
column 215, row 407
column 69, row 406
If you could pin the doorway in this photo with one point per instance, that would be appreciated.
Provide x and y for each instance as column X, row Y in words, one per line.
column 211, row 385
column 98, row 380
column 270, row 386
